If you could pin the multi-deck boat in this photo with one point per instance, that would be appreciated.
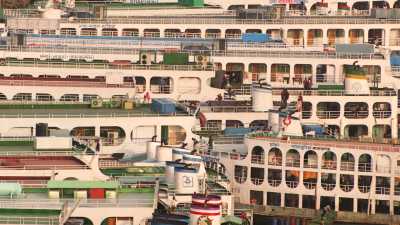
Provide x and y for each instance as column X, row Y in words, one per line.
column 119, row 77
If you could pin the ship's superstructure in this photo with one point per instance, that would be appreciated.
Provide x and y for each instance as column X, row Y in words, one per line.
column 175, row 112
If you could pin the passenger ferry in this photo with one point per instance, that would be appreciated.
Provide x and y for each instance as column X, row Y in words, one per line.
column 233, row 81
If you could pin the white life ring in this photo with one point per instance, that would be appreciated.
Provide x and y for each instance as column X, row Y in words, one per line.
column 287, row 121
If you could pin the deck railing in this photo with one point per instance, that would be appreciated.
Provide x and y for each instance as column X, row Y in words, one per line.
column 232, row 53
column 381, row 114
column 87, row 115
column 328, row 114
column 329, row 164
column 84, row 203
column 274, row 183
column 364, row 167
column 30, row 220
column 334, row 93
column 275, row 161
column 329, row 143
column 356, row 114
column 87, row 65
column 28, row 183
column 257, row 181
column 310, row 164
column 382, row 190
column 310, row 185
column 292, row 184
column 45, row 167
column 346, row 166
column 257, row 159
column 364, row 188
column 65, row 83
column 217, row 109
column 220, row 21
column 240, row 180
column 328, row 186
column 346, row 187
column 293, row 162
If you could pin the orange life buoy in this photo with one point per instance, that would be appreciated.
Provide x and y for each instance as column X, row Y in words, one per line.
column 287, row 121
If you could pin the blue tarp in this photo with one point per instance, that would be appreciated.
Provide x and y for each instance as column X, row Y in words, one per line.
column 395, row 60
column 319, row 129
column 236, row 131
column 163, row 105
column 255, row 37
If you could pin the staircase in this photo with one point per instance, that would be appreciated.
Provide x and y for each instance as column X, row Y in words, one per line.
column 67, row 213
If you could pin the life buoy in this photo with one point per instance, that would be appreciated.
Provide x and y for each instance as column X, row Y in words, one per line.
column 287, row 121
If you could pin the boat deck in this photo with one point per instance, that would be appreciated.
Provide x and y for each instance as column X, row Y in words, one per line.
column 83, row 112
column 330, row 143
column 40, row 162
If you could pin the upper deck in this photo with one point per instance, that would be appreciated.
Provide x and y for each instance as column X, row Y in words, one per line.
column 305, row 142
column 71, row 111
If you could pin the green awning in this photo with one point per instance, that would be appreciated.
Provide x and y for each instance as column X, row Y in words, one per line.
column 231, row 219
column 76, row 184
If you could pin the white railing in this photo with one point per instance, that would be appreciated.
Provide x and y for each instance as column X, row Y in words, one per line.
column 40, row 153
column 346, row 166
column 257, row 159
column 221, row 21
column 346, row 187
column 364, row 167
column 84, row 203
column 87, row 115
column 356, row 114
column 28, row 183
column 334, row 92
column 329, row 164
column 382, row 190
column 115, row 164
column 274, row 183
column 257, row 181
column 64, row 83
column 310, row 164
column 310, row 185
column 240, row 180
column 295, row 54
column 87, row 65
column 232, row 53
column 328, row 114
column 396, row 190
column 364, row 145
column 205, row 108
column 112, row 141
column 328, row 186
column 292, row 184
column 275, row 161
column 29, row 220
column 381, row 114
column 41, row 102
column 394, row 41
column 293, row 162
column 45, row 167
column 15, row 139
column 364, row 189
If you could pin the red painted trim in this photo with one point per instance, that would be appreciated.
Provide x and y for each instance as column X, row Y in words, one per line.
column 205, row 213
